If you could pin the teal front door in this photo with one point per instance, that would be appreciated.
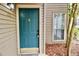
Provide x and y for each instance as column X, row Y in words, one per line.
column 29, row 29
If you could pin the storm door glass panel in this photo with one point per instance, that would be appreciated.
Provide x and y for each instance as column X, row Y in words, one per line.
column 58, row 26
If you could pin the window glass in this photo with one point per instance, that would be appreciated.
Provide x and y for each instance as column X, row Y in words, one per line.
column 58, row 26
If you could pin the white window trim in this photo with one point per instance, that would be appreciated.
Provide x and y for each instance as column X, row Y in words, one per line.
column 65, row 30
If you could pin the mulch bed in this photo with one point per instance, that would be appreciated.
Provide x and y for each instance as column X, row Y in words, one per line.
column 56, row 50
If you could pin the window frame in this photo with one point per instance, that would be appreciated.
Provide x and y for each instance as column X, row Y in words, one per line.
column 65, row 30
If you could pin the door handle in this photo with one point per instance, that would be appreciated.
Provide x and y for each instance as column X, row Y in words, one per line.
column 37, row 34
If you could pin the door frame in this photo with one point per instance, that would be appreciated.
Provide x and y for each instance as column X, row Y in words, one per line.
column 17, row 22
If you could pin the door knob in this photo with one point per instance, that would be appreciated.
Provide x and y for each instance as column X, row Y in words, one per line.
column 37, row 33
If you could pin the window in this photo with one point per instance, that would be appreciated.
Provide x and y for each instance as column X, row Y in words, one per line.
column 58, row 26
column 76, row 23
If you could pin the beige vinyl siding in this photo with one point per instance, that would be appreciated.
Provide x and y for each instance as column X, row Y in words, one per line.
column 50, row 9
column 7, row 32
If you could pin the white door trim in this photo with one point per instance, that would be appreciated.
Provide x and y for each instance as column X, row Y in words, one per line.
column 40, row 24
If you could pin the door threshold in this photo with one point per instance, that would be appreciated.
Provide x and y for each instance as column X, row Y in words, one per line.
column 29, row 54
column 30, row 50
